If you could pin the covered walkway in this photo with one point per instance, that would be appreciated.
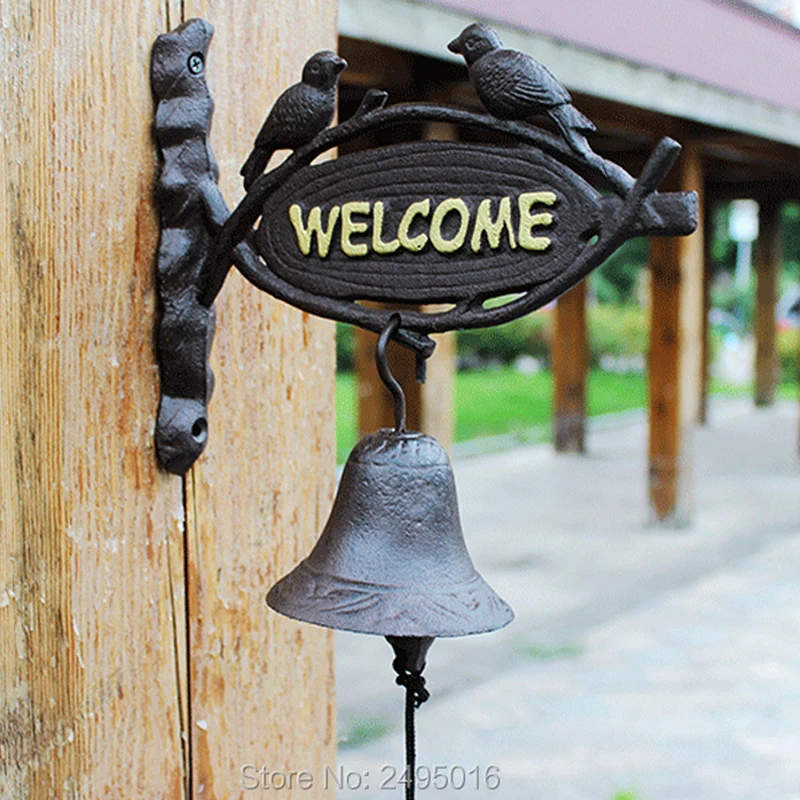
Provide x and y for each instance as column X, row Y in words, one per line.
column 656, row 661
column 721, row 77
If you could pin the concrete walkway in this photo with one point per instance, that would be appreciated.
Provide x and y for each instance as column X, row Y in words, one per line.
column 657, row 662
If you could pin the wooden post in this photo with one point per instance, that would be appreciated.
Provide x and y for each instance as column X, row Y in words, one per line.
column 137, row 657
column 570, row 364
column 675, row 355
column 708, row 278
column 768, row 257
column 797, row 379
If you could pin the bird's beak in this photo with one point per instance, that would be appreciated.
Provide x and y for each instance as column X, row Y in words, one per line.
column 453, row 47
column 341, row 65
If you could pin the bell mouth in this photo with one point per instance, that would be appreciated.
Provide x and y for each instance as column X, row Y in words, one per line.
column 460, row 609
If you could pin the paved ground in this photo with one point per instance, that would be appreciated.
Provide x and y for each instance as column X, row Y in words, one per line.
column 658, row 662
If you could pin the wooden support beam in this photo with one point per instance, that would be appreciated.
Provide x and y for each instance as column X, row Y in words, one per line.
column 675, row 355
column 372, row 65
column 708, row 277
column 797, row 381
column 768, row 257
column 570, row 365
column 92, row 622
column 137, row 656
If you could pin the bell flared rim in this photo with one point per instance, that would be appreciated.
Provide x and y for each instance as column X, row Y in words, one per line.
column 461, row 609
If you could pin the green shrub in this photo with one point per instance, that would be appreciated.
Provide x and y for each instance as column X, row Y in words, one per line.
column 345, row 347
column 525, row 336
column 617, row 331
column 620, row 331
column 726, row 295
column 616, row 280
column 788, row 348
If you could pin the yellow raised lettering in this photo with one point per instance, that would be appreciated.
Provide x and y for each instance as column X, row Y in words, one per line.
column 442, row 210
column 528, row 220
column 492, row 228
column 378, row 245
column 414, row 243
column 304, row 232
column 349, row 227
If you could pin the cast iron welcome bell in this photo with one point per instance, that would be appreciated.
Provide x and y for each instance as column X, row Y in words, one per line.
column 392, row 560
column 418, row 223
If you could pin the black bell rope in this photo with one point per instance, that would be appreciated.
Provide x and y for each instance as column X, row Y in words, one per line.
column 416, row 695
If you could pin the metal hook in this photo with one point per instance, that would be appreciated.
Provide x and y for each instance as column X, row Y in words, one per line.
column 389, row 381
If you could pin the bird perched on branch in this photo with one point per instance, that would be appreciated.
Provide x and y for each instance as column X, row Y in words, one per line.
column 299, row 114
column 513, row 85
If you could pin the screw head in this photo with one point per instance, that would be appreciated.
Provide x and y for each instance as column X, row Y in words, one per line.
column 196, row 63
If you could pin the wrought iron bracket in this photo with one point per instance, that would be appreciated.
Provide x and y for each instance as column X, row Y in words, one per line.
column 538, row 223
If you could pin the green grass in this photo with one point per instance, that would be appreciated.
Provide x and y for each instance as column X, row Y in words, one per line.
column 346, row 415
column 539, row 652
column 786, row 391
column 501, row 401
column 364, row 732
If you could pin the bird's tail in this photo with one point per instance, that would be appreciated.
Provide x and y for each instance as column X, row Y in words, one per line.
column 574, row 119
column 256, row 164
column 572, row 123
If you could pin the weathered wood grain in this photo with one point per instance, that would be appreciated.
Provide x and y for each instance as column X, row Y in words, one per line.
column 705, row 340
column 115, row 680
column 570, row 365
column 261, row 685
column 90, row 605
column 768, row 259
column 676, row 266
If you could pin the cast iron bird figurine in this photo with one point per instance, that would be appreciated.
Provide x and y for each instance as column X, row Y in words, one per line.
column 299, row 114
column 513, row 85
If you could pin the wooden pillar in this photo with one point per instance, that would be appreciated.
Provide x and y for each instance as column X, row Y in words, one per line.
column 570, row 364
column 137, row 656
column 768, row 257
column 708, row 278
column 429, row 406
column 797, row 375
column 675, row 355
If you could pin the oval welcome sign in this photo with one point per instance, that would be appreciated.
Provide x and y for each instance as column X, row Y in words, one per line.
column 428, row 222
column 440, row 222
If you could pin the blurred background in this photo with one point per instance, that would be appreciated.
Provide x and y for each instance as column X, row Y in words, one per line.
column 504, row 377
column 626, row 458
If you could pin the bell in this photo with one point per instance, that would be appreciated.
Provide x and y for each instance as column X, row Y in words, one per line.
column 392, row 560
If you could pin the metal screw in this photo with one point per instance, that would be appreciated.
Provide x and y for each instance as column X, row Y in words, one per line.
column 195, row 63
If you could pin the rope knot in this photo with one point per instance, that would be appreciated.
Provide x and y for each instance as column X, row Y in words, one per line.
column 413, row 682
